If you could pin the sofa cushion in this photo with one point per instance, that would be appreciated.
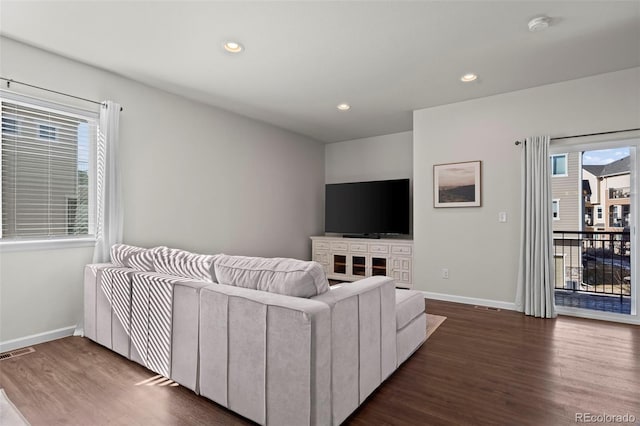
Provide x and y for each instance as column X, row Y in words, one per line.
column 141, row 260
column 409, row 305
column 120, row 252
column 184, row 264
column 290, row 277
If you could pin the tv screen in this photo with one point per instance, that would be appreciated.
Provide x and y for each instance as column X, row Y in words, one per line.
column 377, row 207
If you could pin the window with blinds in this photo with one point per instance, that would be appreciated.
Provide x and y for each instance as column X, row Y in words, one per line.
column 48, row 170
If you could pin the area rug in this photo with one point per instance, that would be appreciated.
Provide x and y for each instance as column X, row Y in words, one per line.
column 9, row 414
column 433, row 322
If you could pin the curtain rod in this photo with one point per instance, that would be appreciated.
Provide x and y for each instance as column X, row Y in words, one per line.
column 10, row 80
column 587, row 134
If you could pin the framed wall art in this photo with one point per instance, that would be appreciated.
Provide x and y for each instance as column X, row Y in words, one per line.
column 457, row 184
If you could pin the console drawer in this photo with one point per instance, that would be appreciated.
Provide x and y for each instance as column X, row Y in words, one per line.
column 404, row 250
column 321, row 245
column 339, row 246
column 379, row 248
column 359, row 247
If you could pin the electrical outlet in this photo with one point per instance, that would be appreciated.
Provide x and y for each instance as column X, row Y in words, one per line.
column 445, row 273
column 502, row 217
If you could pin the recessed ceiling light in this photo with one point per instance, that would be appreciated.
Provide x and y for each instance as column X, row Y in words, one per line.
column 344, row 107
column 539, row 24
column 468, row 77
column 232, row 47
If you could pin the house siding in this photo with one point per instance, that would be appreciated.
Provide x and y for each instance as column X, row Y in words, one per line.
column 621, row 183
column 565, row 189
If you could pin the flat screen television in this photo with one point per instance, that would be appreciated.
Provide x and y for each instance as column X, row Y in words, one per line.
column 367, row 208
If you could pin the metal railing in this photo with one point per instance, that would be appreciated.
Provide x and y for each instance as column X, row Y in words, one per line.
column 624, row 192
column 593, row 262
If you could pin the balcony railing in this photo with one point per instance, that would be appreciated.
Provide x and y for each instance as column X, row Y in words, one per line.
column 597, row 263
column 624, row 192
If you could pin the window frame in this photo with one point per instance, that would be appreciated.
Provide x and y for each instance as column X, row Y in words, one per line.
column 566, row 165
column 54, row 241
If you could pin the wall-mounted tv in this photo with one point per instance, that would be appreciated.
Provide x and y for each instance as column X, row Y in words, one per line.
column 367, row 208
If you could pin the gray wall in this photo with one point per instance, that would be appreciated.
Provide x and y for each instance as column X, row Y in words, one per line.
column 374, row 158
column 194, row 176
column 482, row 254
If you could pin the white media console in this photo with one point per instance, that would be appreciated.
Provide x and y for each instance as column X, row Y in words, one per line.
column 351, row 259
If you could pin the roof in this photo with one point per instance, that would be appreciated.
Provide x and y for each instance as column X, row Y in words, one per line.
column 617, row 167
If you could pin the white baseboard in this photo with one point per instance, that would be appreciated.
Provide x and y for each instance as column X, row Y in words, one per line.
column 34, row 339
column 469, row 300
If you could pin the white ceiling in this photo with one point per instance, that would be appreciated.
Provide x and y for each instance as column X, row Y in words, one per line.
column 302, row 58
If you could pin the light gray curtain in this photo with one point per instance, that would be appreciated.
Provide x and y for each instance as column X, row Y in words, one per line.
column 535, row 293
column 109, row 227
column 109, row 215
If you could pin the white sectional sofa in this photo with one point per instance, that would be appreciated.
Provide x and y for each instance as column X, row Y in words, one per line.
column 266, row 338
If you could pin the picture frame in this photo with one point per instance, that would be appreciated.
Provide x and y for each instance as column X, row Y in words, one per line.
column 457, row 184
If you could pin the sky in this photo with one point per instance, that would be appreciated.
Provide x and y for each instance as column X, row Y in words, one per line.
column 83, row 146
column 604, row 156
column 457, row 175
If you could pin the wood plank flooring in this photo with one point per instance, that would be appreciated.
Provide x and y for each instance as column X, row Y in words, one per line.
column 481, row 367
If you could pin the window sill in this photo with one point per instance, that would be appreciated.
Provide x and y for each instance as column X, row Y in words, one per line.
column 53, row 244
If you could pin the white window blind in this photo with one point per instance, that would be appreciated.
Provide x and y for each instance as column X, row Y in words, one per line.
column 48, row 170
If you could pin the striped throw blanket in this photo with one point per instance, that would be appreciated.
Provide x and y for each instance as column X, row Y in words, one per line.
column 115, row 283
column 151, row 319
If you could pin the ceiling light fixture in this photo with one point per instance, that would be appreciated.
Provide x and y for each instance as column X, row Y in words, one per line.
column 232, row 47
column 539, row 24
column 468, row 77
column 344, row 107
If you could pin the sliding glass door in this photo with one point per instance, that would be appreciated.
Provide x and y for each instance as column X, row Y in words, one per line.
column 594, row 199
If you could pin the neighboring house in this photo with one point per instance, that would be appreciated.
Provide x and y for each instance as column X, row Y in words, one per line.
column 605, row 194
column 565, row 187
column 607, row 208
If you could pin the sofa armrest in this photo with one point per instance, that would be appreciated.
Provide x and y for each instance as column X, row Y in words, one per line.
column 266, row 356
column 91, row 286
column 363, row 337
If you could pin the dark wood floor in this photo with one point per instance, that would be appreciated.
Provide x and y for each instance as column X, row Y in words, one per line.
column 480, row 367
